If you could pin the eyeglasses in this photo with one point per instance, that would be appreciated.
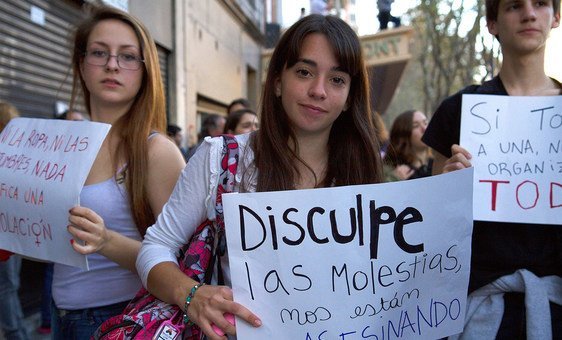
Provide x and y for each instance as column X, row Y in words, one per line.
column 127, row 61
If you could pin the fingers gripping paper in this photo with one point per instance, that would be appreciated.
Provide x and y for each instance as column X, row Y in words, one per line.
column 43, row 166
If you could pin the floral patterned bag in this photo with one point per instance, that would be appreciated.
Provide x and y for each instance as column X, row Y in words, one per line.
column 147, row 317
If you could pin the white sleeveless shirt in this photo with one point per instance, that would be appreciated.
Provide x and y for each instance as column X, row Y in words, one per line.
column 106, row 282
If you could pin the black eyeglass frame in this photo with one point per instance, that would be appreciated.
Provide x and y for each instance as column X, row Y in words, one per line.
column 119, row 57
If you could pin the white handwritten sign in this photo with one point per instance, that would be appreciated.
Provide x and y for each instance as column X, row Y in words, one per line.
column 367, row 261
column 43, row 166
column 516, row 147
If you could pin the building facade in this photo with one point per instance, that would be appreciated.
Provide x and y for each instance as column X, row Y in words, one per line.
column 35, row 72
column 218, row 53
column 209, row 51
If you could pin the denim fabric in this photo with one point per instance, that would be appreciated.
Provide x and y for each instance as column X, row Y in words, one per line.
column 46, row 296
column 11, row 315
column 81, row 324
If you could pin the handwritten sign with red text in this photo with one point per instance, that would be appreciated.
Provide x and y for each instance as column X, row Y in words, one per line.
column 43, row 166
column 516, row 145
column 380, row 261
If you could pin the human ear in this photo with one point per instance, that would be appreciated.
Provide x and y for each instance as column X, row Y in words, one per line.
column 556, row 21
column 492, row 27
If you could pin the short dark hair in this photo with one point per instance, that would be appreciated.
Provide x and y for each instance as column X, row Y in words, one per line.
column 234, row 118
column 492, row 8
column 172, row 130
column 211, row 122
column 239, row 101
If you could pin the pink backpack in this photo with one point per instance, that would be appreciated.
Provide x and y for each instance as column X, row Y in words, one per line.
column 147, row 317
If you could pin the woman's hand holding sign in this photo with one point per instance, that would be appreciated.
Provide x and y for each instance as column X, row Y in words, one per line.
column 213, row 310
column 88, row 227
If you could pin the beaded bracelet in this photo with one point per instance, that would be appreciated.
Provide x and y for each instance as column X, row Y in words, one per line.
column 188, row 301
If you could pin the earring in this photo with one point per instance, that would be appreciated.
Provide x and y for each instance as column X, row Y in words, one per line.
column 278, row 92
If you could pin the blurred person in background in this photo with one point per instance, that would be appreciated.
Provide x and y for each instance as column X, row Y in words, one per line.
column 407, row 156
column 319, row 7
column 382, row 133
column 11, row 314
column 212, row 126
column 174, row 132
column 238, row 104
column 241, row 121
column 384, row 16
column 7, row 113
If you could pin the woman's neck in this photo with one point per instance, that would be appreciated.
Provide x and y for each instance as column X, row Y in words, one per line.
column 313, row 151
column 107, row 113
column 420, row 158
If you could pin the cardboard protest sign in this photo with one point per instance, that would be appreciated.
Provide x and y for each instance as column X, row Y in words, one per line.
column 516, row 147
column 368, row 261
column 43, row 166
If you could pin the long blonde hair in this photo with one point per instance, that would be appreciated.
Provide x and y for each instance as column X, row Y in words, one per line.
column 147, row 113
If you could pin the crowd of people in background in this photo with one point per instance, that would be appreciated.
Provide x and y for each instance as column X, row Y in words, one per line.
column 11, row 313
column 141, row 203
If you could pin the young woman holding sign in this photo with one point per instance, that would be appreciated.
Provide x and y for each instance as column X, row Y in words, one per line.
column 116, row 67
column 316, row 131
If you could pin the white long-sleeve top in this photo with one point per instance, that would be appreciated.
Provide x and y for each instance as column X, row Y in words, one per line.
column 193, row 201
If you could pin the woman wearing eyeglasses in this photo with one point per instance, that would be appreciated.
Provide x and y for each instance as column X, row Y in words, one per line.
column 116, row 69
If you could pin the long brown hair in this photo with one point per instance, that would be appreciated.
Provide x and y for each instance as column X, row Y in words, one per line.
column 353, row 147
column 400, row 149
column 148, row 112
column 7, row 113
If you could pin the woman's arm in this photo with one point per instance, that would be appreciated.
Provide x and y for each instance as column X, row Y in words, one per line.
column 180, row 216
column 209, row 304
column 164, row 168
column 157, row 264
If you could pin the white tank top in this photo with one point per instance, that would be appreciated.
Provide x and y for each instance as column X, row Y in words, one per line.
column 106, row 282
